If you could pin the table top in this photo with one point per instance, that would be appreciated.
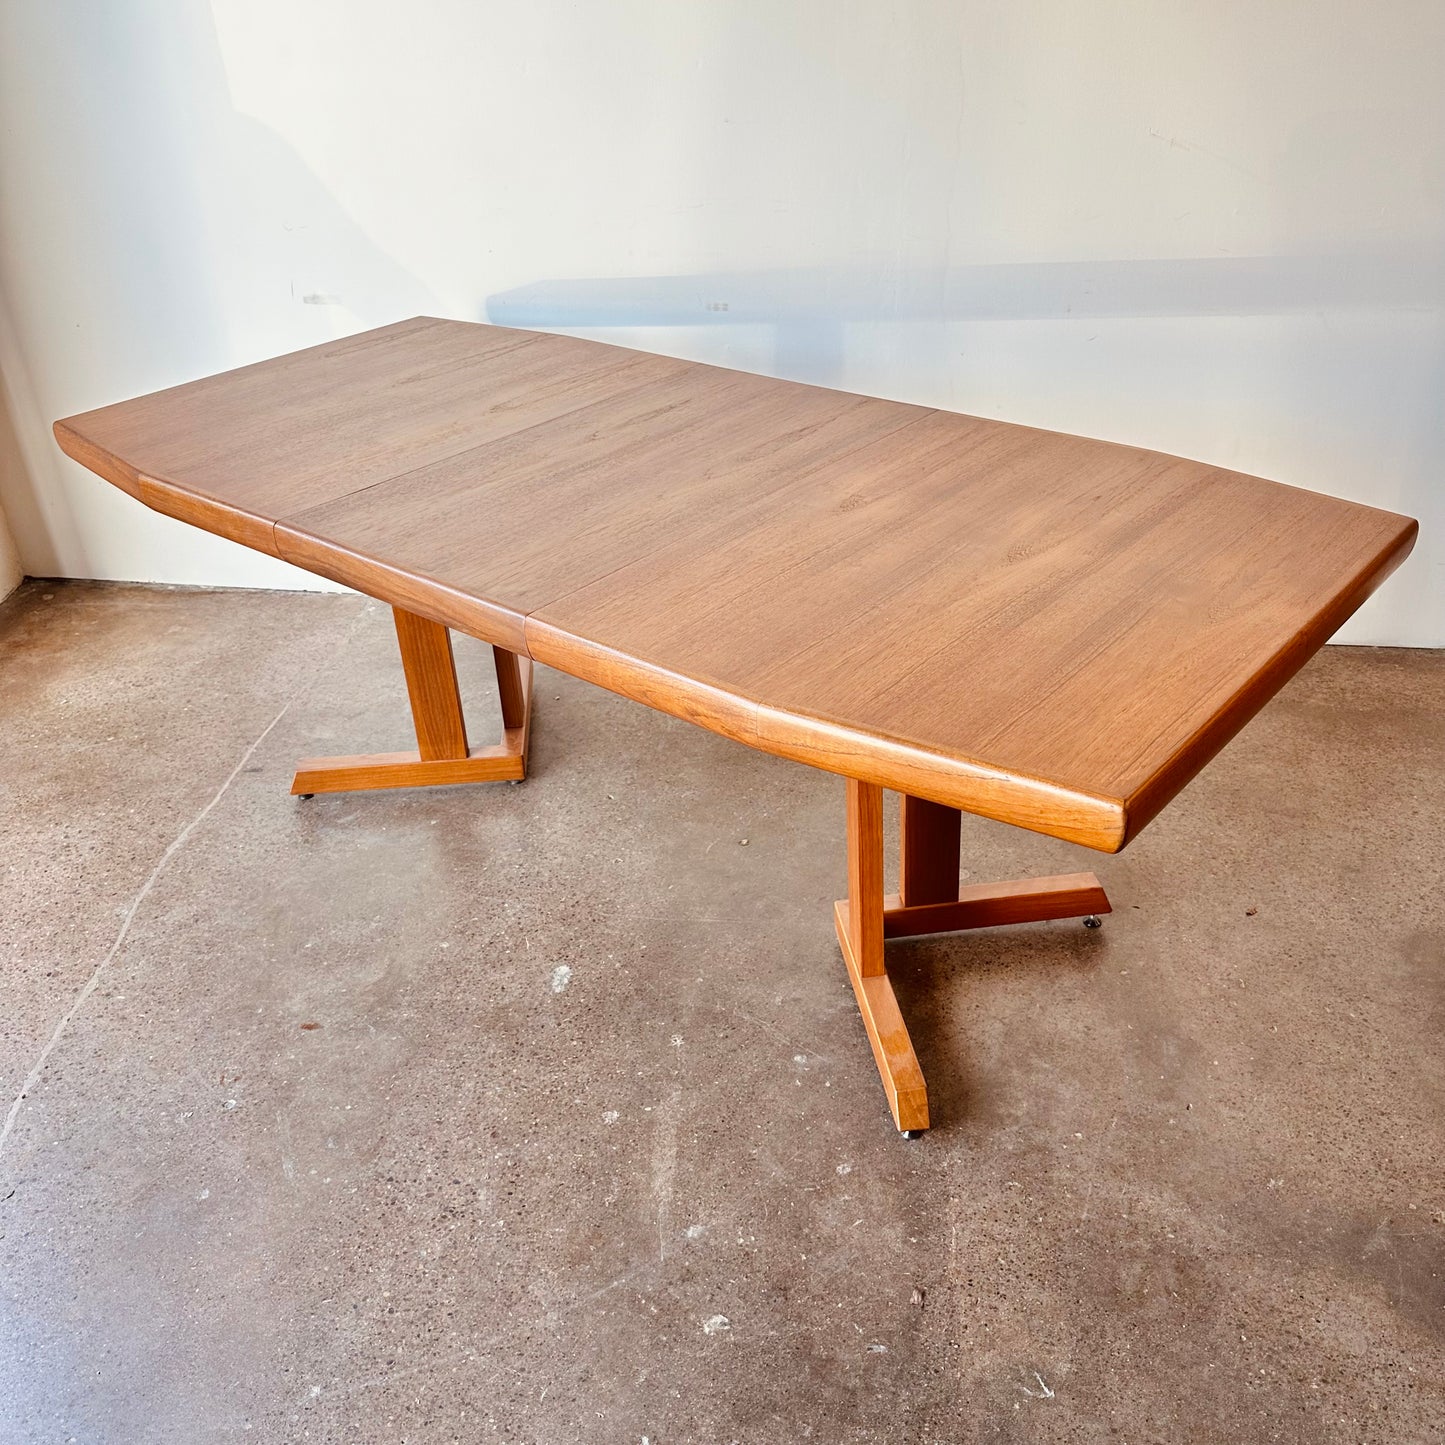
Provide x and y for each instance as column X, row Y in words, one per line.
column 1040, row 628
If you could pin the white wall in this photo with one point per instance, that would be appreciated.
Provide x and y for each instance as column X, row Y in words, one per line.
column 11, row 469
column 1213, row 228
column 11, row 575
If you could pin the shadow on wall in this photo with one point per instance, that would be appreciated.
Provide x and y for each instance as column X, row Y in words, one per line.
column 810, row 309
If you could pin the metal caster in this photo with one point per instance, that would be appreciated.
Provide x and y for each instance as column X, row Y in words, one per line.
column 303, row 797
column 1093, row 921
column 913, row 1133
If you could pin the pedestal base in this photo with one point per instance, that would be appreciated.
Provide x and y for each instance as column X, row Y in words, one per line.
column 929, row 901
column 442, row 755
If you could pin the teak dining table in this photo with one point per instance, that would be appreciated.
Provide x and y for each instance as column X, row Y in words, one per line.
column 1047, row 630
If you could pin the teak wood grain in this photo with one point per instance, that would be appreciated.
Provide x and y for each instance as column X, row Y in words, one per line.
column 865, row 876
column 1040, row 628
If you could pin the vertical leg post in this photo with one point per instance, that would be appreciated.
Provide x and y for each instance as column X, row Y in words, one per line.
column 510, row 688
column 865, row 876
column 431, row 684
column 928, row 848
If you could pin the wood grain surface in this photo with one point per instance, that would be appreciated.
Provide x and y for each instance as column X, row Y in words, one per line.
column 1040, row 628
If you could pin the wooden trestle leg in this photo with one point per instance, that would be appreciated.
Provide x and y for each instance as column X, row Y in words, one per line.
column 929, row 901
column 442, row 754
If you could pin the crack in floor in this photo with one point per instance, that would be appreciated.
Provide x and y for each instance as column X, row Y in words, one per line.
column 174, row 847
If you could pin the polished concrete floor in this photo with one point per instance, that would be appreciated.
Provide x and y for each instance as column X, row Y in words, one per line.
column 543, row 1113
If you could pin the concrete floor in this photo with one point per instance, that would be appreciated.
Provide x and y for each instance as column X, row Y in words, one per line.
column 544, row 1114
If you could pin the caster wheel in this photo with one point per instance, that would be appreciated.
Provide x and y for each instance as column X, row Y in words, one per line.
column 303, row 797
column 912, row 1133
column 1093, row 921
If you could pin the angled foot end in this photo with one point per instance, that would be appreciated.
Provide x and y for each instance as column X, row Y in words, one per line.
column 892, row 1048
